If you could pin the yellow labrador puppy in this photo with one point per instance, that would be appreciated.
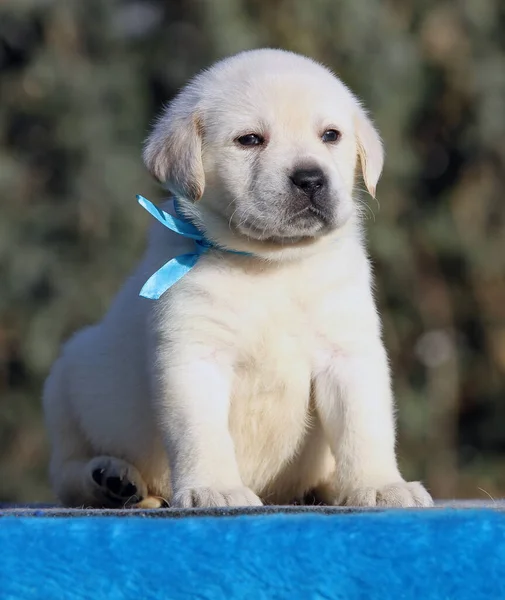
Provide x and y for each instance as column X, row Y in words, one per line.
column 259, row 375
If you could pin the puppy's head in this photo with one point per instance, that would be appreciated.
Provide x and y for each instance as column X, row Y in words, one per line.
column 262, row 150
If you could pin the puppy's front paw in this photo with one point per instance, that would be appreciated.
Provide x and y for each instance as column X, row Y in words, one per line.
column 205, row 497
column 395, row 495
column 114, row 482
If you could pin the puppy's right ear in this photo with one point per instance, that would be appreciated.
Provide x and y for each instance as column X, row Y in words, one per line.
column 173, row 151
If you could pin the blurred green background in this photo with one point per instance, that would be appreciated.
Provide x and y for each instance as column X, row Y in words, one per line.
column 80, row 82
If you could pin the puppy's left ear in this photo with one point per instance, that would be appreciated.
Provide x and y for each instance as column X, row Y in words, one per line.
column 371, row 153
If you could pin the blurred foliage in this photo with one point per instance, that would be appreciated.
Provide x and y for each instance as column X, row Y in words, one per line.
column 80, row 83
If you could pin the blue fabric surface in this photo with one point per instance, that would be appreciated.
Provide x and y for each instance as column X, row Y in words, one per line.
column 439, row 554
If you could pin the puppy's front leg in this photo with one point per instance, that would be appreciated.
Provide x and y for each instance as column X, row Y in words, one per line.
column 193, row 407
column 354, row 400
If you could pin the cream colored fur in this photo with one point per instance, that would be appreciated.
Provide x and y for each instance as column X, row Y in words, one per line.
column 253, row 379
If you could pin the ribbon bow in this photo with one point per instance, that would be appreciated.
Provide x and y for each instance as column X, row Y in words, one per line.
column 175, row 269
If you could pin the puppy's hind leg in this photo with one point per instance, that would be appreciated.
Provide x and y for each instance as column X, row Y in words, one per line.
column 79, row 479
column 78, row 476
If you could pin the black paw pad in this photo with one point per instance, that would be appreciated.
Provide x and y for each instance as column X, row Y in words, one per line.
column 122, row 488
column 98, row 476
column 129, row 489
column 114, row 484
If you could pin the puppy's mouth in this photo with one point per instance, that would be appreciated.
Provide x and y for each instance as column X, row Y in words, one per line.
column 304, row 226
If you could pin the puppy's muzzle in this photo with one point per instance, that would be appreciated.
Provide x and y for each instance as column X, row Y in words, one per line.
column 312, row 196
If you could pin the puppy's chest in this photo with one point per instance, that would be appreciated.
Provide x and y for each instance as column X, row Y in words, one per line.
column 292, row 336
column 271, row 387
column 280, row 348
column 280, row 322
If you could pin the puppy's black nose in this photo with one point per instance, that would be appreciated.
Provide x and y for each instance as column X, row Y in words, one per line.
column 309, row 181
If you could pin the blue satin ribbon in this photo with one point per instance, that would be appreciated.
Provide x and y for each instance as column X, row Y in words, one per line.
column 175, row 269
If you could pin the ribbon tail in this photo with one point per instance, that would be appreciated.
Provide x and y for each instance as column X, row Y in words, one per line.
column 177, row 225
column 168, row 275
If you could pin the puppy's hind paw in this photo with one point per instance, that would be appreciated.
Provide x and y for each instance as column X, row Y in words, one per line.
column 114, row 482
column 206, row 497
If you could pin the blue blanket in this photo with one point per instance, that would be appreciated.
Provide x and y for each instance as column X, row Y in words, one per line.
column 426, row 554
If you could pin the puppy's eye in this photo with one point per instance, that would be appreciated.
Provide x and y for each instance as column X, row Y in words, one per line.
column 251, row 139
column 331, row 136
